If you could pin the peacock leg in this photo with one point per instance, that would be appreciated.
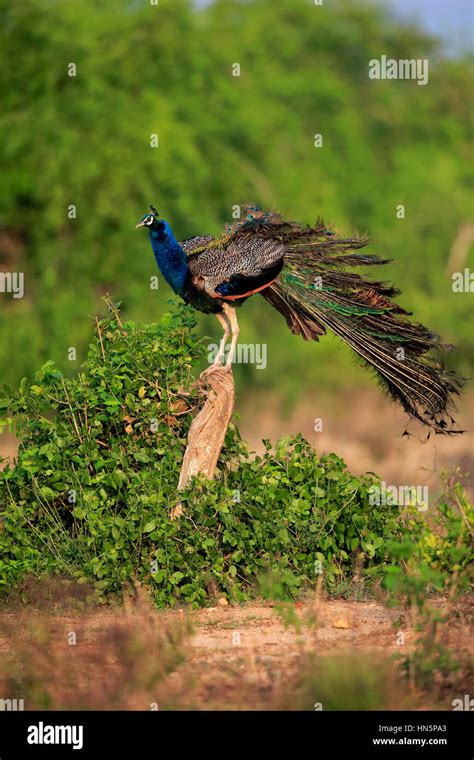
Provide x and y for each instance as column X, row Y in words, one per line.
column 229, row 311
column 226, row 326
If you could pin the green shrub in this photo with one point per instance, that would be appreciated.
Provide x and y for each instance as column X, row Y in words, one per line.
column 442, row 557
column 95, row 479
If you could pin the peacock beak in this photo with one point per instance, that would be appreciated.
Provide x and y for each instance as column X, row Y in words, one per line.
column 140, row 224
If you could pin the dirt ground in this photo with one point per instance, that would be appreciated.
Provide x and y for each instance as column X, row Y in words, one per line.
column 223, row 657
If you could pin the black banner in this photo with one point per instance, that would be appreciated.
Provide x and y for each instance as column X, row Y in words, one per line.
column 376, row 734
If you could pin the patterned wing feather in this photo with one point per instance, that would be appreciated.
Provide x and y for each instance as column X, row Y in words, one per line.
column 243, row 267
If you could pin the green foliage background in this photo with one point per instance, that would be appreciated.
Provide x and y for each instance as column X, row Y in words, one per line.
column 167, row 69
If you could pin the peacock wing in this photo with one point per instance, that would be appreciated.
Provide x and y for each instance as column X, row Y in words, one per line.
column 243, row 267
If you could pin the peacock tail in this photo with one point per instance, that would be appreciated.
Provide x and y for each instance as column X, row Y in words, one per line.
column 316, row 291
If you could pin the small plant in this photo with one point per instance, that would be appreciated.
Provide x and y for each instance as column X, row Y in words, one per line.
column 441, row 561
column 346, row 682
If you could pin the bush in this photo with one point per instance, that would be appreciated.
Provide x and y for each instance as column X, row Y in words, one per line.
column 94, row 484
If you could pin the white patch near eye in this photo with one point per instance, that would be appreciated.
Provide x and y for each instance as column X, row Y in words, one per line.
column 149, row 220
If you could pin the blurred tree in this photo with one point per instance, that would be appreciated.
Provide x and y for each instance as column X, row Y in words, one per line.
column 80, row 146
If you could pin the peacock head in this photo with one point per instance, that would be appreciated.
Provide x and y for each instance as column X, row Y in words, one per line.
column 152, row 221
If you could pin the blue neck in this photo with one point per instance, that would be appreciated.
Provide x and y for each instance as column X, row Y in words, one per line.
column 169, row 256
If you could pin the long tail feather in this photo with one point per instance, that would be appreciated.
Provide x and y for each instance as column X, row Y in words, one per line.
column 315, row 293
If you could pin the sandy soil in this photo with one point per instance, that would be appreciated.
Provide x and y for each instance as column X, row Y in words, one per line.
column 241, row 657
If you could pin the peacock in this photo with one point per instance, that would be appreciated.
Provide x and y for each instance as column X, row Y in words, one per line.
column 306, row 274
